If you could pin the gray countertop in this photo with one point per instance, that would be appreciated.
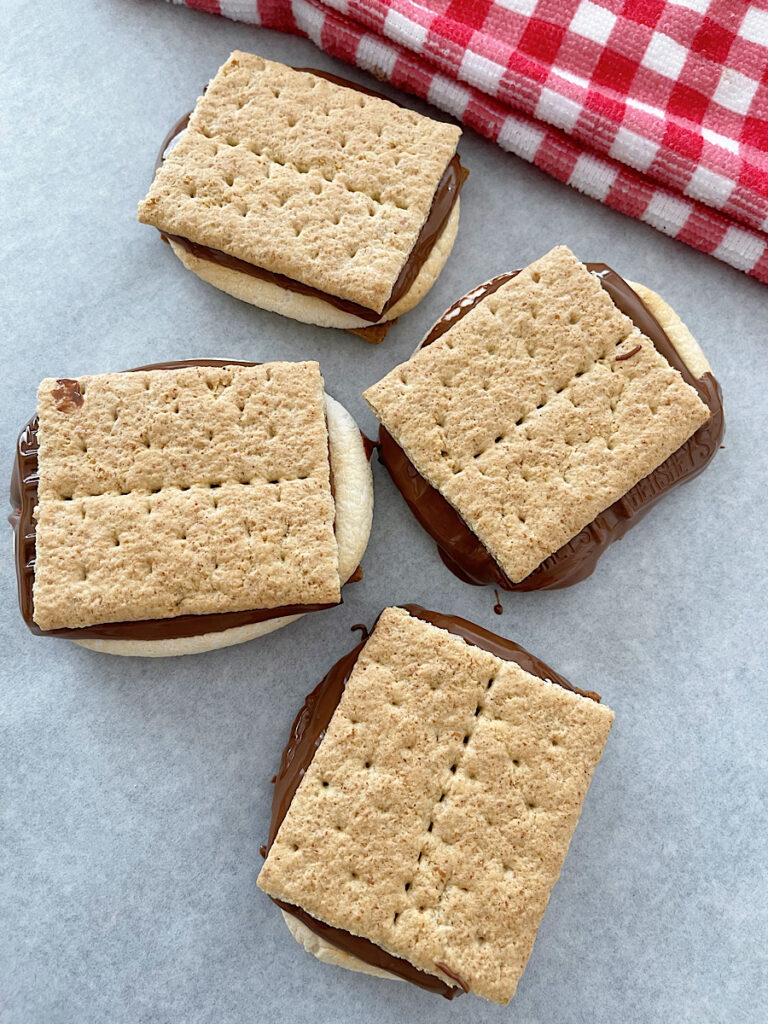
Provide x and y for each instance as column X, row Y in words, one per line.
column 135, row 793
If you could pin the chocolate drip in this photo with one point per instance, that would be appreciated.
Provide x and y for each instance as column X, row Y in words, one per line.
column 307, row 734
column 452, row 975
column 461, row 550
column 24, row 483
column 445, row 197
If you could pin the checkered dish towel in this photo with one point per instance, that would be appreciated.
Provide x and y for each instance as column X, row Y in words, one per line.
column 658, row 108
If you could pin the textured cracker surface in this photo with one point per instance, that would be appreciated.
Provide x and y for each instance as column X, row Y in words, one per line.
column 524, row 419
column 353, row 505
column 436, row 814
column 305, row 178
column 309, row 308
column 175, row 492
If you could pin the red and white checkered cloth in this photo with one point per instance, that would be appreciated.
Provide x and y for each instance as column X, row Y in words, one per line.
column 658, row 108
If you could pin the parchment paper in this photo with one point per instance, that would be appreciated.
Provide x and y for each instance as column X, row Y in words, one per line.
column 135, row 793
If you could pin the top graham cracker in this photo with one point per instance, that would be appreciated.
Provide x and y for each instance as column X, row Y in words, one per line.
column 302, row 177
column 527, row 419
column 177, row 492
column 436, row 814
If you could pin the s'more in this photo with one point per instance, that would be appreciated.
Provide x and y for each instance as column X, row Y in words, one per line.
column 544, row 414
column 425, row 804
column 184, row 507
column 308, row 195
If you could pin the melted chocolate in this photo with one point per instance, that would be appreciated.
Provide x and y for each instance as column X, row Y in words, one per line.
column 374, row 334
column 461, row 550
column 452, row 975
column 445, row 197
column 442, row 204
column 307, row 734
column 170, row 139
column 24, row 499
column 369, row 445
column 67, row 394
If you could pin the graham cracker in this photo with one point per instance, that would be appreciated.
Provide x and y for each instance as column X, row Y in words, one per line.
column 537, row 410
column 187, row 491
column 436, row 814
column 303, row 177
